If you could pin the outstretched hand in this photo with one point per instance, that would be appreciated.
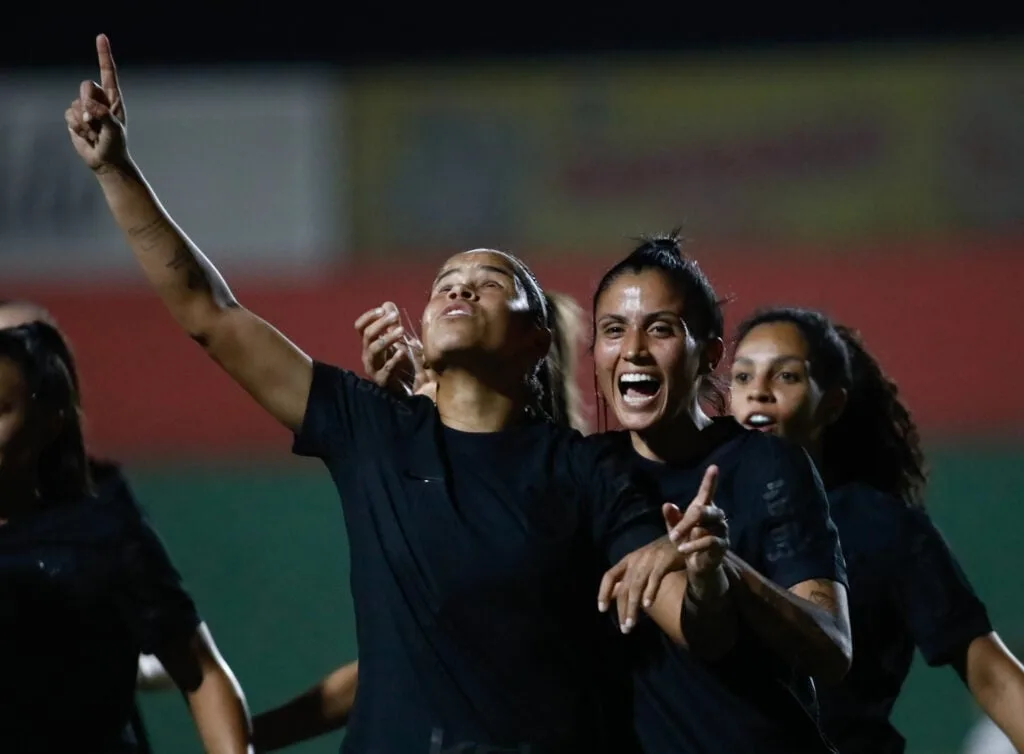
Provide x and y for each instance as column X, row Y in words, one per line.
column 96, row 120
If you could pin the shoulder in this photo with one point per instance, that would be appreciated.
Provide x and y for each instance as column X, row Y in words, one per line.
column 603, row 442
column 359, row 396
column 761, row 447
column 113, row 493
column 873, row 520
column 346, row 413
column 763, row 459
column 871, row 501
column 604, row 447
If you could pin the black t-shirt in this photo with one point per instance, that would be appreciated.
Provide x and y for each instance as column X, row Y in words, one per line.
column 84, row 588
column 473, row 573
column 906, row 589
column 750, row 701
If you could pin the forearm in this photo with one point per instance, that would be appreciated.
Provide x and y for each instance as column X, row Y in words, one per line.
column 320, row 710
column 1006, row 710
column 708, row 617
column 220, row 714
column 182, row 276
column 807, row 636
column 996, row 680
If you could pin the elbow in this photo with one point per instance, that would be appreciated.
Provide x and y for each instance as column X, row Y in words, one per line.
column 835, row 662
column 208, row 323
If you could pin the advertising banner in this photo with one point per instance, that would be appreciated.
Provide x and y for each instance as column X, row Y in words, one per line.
column 819, row 149
column 247, row 163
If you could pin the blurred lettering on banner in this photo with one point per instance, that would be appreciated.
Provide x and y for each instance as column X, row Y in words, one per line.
column 246, row 162
column 815, row 148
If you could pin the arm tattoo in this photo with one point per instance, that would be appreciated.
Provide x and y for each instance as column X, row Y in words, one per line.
column 113, row 171
column 822, row 598
column 184, row 260
column 149, row 234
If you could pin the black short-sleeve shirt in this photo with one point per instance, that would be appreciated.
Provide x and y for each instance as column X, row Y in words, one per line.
column 84, row 588
column 750, row 700
column 474, row 573
column 906, row 590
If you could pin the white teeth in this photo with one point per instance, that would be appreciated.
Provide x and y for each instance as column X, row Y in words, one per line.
column 637, row 400
column 631, row 395
column 635, row 377
column 759, row 420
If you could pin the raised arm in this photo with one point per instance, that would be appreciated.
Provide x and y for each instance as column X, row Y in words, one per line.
column 258, row 357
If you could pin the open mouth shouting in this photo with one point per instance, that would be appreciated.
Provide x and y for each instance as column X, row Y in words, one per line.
column 639, row 389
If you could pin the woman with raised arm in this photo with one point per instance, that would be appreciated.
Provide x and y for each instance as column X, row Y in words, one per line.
column 475, row 526
column 87, row 585
column 798, row 375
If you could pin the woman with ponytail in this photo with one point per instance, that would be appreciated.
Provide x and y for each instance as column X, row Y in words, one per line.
column 798, row 375
column 86, row 584
column 657, row 341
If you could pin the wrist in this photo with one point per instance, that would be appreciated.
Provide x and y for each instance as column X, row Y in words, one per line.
column 116, row 171
column 708, row 586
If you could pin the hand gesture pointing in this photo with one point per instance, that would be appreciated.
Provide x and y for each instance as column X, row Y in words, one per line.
column 96, row 120
column 702, row 531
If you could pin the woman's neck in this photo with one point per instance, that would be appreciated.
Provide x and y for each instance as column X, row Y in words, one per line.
column 676, row 441
column 17, row 496
column 469, row 404
column 815, row 449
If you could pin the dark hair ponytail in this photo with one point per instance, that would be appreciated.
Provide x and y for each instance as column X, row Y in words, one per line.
column 702, row 312
column 875, row 440
column 42, row 354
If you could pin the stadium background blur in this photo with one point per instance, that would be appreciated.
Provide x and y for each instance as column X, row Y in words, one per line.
column 327, row 164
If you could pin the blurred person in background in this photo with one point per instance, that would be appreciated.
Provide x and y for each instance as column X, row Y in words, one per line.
column 87, row 586
column 797, row 375
column 108, row 480
column 657, row 339
column 476, row 523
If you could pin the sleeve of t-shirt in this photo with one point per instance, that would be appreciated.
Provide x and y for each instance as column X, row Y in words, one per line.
column 798, row 538
column 625, row 511
column 341, row 409
column 152, row 598
column 942, row 611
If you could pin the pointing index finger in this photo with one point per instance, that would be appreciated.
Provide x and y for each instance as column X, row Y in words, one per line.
column 706, row 493
column 108, row 71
